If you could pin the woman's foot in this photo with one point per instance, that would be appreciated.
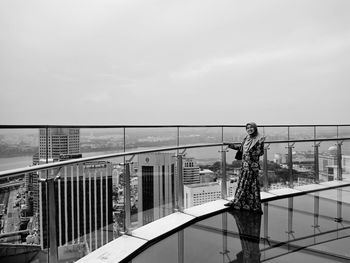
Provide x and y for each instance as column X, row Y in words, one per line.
column 229, row 203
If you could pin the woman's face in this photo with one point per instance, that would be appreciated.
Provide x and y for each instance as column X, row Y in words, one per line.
column 250, row 129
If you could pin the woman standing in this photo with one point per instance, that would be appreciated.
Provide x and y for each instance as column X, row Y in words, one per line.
column 247, row 195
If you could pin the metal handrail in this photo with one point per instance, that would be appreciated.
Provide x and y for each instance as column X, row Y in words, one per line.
column 10, row 126
column 304, row 140
column 122, row 154
column 99, row 157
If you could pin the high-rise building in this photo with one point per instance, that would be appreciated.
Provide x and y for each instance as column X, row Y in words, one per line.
column 190, row 171
column 31, row 184
column 197, row 194
column 83, row 202
column 61, row 144
column 58, row 141
column 156, row 186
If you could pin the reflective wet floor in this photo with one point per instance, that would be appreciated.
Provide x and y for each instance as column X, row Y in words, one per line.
column 309, row 228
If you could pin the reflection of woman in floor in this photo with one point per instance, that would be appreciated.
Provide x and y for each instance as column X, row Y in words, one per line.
column 248, row 224
column 247, row 195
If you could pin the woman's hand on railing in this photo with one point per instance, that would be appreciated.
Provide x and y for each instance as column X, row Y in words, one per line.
column 234, row 146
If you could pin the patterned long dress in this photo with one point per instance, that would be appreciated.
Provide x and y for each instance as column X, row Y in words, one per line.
column 247, row 195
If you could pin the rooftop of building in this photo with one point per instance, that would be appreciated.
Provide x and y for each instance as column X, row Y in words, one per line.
column 207, row 184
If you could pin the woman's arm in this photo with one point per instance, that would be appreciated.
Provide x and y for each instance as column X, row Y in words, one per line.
column 234, row 146
column 260, row 149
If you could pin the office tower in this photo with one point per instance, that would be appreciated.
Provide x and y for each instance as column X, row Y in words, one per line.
column 61, row 144
column 58, row 141
column 156, row 186
column 31, row 184
column 83, row 202
column 197, row 194
column 190, row 171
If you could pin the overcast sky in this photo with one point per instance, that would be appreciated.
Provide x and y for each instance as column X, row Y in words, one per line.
column 174, row 62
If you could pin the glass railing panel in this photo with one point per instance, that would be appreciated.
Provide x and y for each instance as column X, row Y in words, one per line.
column 233, row 166
column 326, row 132
column 274, row 133
column 167, row 250
column 216, row 237
column 303, row 164
column 346, row 159
column 18, row 148
column 233, row 169
column 288, row 227
column 153, row 187
column 16, row 209
column 277, row 166
column 203, row 175
column 84, row 198
column 344, row 202
column 188, row 135
column 234, row 134
column 146, row 138
column 327, row 161
column 301, row 133
column 344, row 131
column 100, row 141
column 336, row 203
column 302, row 222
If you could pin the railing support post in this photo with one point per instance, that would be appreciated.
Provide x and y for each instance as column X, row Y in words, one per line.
column 127, row 197
column 290, row 231
column 266, row 221
column 224, row 252
column 180, row 186
column 339, row 162
column 339, row 217
column 316, row 211
column 223, row 174
column 316, row 163
column 290, row 165
column 181, row 246
column 265, row 170
column 53, row 249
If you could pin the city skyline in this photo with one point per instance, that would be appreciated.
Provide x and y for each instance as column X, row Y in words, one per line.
column 189, row 62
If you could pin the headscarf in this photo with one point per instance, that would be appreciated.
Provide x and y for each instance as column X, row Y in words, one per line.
column 251, row 140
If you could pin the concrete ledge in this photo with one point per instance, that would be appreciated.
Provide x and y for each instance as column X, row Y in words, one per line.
column 266, row 195
column 207, row 208
column 114, row 251
column 162, row 226
column 309, row 187
column 335, row 195
column 335, row 183
column 284, row 191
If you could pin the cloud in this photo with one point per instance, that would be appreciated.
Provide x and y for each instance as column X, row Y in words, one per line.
column 264, row 57
column 179, row 61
